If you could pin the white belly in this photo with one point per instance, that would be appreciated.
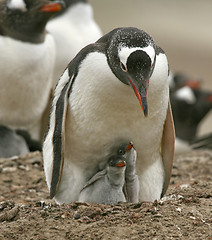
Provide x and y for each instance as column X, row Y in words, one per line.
column 25, row 81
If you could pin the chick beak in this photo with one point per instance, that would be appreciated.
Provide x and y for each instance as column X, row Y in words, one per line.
column 121, row 164
column 130, row 145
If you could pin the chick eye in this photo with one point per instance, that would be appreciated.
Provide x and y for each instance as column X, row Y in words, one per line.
column 123, row 67
column 111, row 163
column 121, row 152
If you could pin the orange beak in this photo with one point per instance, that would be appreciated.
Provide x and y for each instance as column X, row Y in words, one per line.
column 194, row 84
column 121, row 164
column 51, row 7
column 129, row 146
column 142, row 98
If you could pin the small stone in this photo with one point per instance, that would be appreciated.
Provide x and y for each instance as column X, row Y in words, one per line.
column 77, row 216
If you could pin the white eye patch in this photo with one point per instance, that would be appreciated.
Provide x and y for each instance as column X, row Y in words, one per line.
column 125, row 52
column 186, row 94
column 17, row 5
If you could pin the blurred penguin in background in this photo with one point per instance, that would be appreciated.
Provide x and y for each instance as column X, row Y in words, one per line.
column 190, row 105
column 16, row 142
column 179, row 80
column 73, row 28
column 11, row 143
column 203, row 142
column 26, row 63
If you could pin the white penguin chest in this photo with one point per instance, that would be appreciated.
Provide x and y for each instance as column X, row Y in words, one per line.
column 25, row 81
column 103, row 110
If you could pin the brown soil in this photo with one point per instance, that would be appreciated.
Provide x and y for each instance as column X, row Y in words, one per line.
column 26, row 212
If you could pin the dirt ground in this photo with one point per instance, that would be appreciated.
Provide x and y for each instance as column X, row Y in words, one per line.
column 26, row 212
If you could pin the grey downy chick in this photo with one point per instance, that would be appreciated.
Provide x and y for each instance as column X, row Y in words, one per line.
column 106, row 186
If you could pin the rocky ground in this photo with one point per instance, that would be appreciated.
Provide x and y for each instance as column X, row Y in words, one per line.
column 26, row 212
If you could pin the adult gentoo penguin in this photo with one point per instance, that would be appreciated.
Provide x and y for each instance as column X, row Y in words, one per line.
column 73, row 28
column 99, row 100
column 26, row 62
column 106, row 186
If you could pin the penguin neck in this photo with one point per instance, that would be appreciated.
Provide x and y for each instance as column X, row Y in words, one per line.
column 115, row 176
column 23, row 30
column 74, row 2
column 130, row 172
column 21, row 36
column 131, row 166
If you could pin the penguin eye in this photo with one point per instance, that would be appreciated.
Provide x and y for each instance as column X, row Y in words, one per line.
column 111, row 161
column 123, row 67
column 121, row 152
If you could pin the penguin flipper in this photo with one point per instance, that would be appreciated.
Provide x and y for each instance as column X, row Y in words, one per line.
column 57, row 128
column 96, row 177
column 167, row 148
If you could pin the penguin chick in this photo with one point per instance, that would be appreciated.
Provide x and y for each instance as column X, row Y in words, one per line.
column 106, row 186
column 131, row 178
column 11, row 144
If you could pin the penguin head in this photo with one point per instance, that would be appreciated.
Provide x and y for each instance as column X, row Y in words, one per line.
column 130, row 154
column 68, row 4
column 131, row 56
column 73, row 2
column 25, row 20
column 125, row 149
column 116, row 161
column 122, row 155
column 179, row 80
